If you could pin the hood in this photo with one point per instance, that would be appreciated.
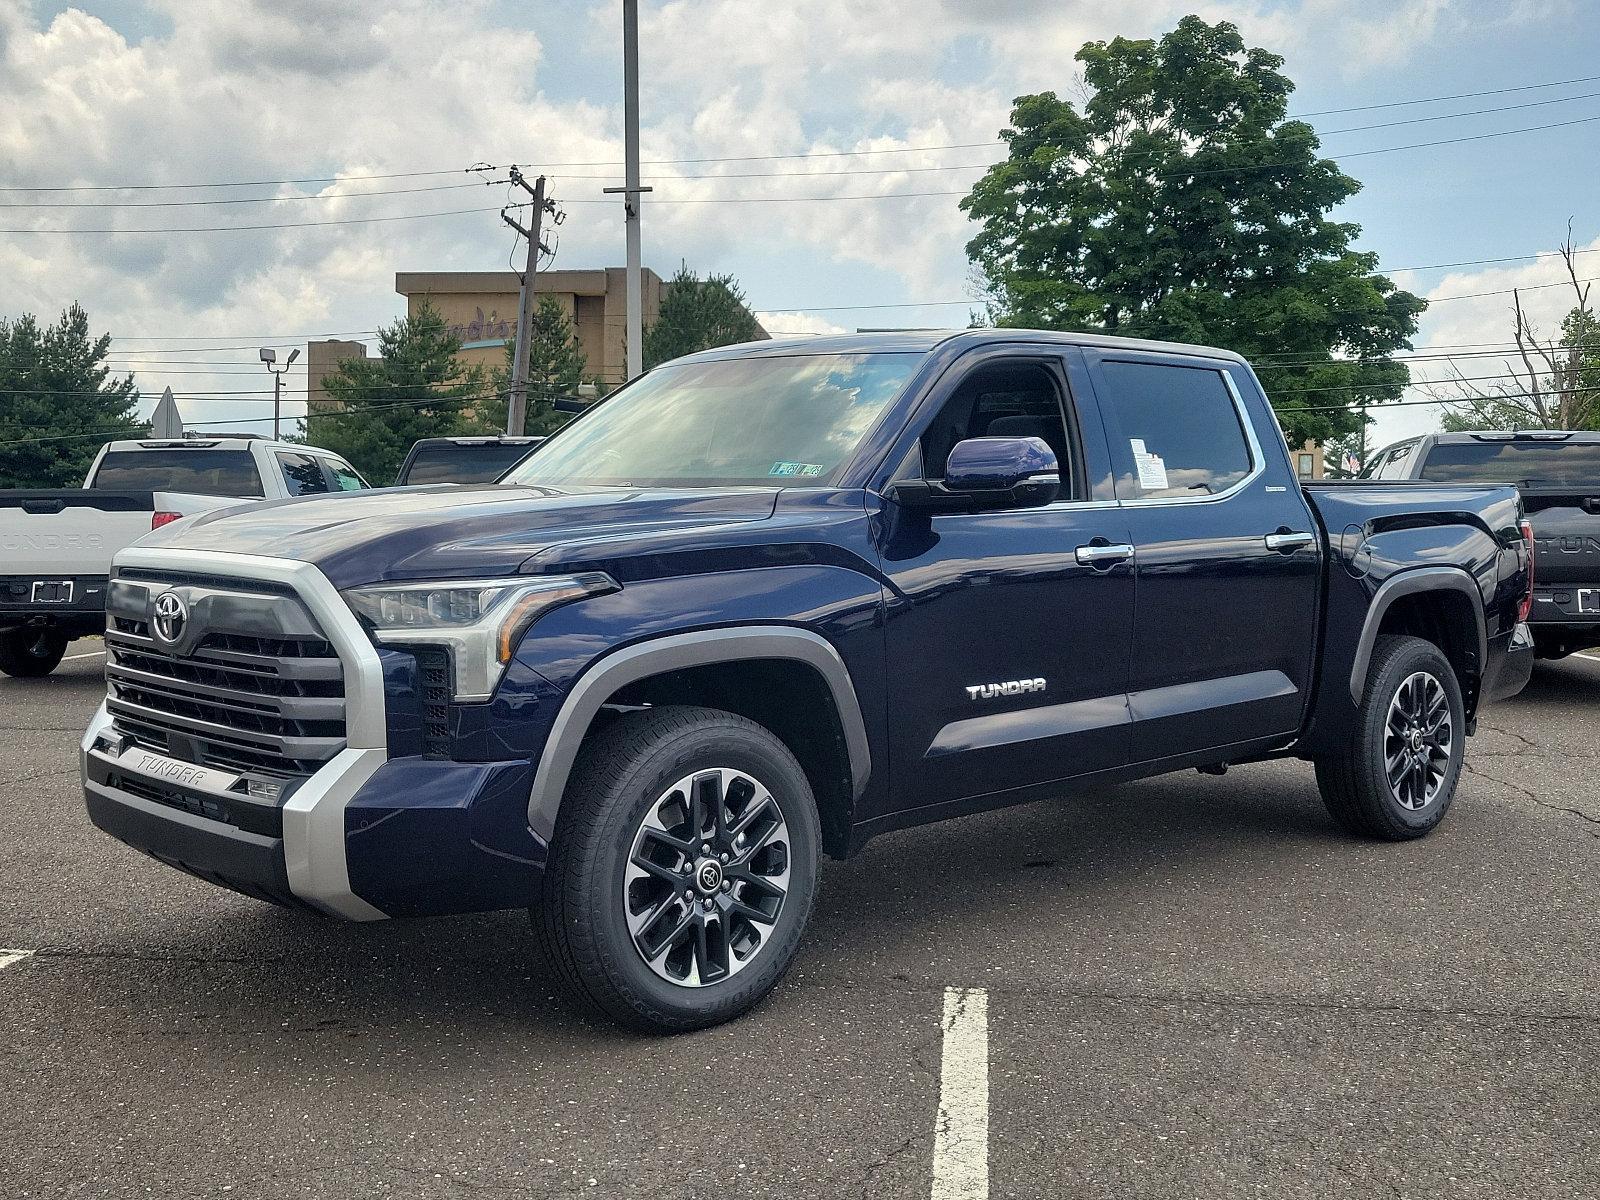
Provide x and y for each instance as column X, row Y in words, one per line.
column 451, row 532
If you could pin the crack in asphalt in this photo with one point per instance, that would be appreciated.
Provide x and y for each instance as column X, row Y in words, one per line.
column 38, row 775
column 1526, row 794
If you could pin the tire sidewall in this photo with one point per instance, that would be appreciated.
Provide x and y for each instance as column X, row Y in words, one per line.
column 1412, row 656
column 741, row 749
column 20, row 654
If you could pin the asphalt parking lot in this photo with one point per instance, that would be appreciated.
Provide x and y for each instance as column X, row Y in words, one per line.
column 1189, row 987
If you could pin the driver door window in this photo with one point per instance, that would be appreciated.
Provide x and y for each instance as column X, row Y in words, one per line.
column 1003, row 400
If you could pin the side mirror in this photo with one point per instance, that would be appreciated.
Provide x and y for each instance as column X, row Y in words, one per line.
column 989, row 472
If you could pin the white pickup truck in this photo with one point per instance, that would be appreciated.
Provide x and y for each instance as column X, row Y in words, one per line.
column 56, row 546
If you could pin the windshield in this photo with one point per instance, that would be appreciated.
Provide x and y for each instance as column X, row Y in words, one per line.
column 765, row 421
column 1524, row 461
column 465, row 464
column 201, row 472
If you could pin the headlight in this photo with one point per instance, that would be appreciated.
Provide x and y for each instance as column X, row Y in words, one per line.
column 480, row 620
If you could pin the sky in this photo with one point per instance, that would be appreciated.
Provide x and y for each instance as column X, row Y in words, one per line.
column 819, row 126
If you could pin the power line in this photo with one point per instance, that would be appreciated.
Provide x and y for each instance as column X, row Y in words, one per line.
column 1477, row 112
column 1526, row 87
column 442, row 187
column 454, row 212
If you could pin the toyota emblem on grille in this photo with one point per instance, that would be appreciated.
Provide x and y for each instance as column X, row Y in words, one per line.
column 171, row 614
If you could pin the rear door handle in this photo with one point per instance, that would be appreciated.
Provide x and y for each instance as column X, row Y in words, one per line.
column 1103, row 554
column 1288, row 540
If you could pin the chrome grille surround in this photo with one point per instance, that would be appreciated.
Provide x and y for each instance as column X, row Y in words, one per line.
column 254, row 686
column 293, row 734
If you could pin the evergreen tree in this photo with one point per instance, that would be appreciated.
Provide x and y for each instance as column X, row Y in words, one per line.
column 416, row 389
column 556, row 368
column 58, row 401
column 1179, row 202
column 698, row 314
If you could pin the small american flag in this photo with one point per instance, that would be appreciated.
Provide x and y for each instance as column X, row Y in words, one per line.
column 1352, row 464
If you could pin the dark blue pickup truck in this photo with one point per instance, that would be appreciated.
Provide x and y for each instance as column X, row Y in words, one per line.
column 771, row 601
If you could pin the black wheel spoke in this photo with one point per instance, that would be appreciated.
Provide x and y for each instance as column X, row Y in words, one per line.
column 707, row 875
column 1417, row 741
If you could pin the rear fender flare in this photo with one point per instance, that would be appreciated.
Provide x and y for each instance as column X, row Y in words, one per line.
column 675, row 652
column 1407, row 583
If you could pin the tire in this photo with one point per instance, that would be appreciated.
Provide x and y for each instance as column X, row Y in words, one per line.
column 1407, row 676
column 623, row 857
column 31, row 653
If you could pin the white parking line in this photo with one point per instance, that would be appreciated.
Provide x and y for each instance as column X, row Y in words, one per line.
column 7, row 957
column 961, row 1132
column 88, row 654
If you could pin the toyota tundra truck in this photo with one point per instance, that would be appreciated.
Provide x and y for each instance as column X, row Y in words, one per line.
column 768, row 602
column 1557, row 474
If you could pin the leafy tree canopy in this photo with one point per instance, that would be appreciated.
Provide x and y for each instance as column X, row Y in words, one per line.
column 556, row 368
column 1178, row 202
column 58, row 401
column 417, row 389
column 698, row 314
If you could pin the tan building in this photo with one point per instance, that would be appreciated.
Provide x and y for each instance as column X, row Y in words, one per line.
column 481, row 309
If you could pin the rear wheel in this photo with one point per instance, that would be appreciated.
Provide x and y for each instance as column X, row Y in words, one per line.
column 1397, row 777
column 29, row 653
column 683, row 869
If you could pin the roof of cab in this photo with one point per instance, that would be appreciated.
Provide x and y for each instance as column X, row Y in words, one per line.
column 924, row 341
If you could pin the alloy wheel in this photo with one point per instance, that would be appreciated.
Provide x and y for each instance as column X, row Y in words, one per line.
column 1417, row 742
column 707, row 876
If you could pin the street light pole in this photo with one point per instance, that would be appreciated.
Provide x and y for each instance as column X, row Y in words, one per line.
column 269, row 356
column 632, row 192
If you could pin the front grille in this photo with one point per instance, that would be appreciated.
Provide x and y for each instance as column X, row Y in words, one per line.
column 259, row 690
column 433, row 683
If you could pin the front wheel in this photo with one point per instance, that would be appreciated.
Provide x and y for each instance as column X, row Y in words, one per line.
column 682, row 871
column 1398, row 775
column 29, row 653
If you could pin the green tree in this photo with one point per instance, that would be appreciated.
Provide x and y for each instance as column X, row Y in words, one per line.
column 1178, row 202
column 698, row 314
column 556, row 368
column 417, row 389
column 58, row 401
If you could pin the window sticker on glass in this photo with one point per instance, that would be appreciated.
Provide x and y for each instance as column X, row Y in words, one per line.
column 796, row 468
column 1152, row 471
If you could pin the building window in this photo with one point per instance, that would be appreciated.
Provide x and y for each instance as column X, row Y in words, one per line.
column 1306, row 465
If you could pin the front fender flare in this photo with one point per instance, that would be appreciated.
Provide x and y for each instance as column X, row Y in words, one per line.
column 1406, row 583
column 675, row 652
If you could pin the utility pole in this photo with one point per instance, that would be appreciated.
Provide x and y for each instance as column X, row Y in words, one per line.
column 517, row 402
column 632, row 192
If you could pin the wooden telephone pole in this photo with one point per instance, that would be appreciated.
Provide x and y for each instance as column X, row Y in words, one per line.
column 517, row 403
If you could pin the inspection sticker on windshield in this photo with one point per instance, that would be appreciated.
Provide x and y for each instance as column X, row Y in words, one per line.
column 1152, row 471
column 794, row 468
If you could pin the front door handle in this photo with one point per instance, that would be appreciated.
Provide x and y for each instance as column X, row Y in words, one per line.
column 1102, row 554
column 1288, row 540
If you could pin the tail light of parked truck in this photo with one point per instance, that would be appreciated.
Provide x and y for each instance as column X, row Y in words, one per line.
column 1526, row 606
column 158, row 519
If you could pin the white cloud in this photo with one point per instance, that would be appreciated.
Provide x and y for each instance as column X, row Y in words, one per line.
column 798, row 324
column 283, row 89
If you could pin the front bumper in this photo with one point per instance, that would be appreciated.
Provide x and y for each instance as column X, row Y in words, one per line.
column 393, row 837
column 365, row 835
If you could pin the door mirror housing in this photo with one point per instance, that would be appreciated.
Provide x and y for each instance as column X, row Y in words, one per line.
column 988, row 472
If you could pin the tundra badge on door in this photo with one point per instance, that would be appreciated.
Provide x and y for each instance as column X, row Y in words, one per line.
column 1014, row 687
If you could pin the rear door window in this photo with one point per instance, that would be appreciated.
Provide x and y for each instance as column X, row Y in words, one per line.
column 1397, row 464
column 302, row 474
column 1178, row 431
column 198, row 471
column 465, row 464
column 342, row 477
